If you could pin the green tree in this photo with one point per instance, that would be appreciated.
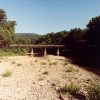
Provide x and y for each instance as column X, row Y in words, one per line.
column 3, row 17
column 7, row 29
column 93, row 35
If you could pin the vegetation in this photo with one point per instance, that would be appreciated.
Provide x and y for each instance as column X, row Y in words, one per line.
column 12, row 52
column 43, row 63
column 71, row 88
column 81, row 44
column 19, row 64
column 13, row 62
column 46, row 72
column 7, row 73
column 7, row 30
column 71, row 69
column 93, row 91
column 26, row 38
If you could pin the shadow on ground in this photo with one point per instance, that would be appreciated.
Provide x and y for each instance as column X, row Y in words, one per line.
column 90, row 65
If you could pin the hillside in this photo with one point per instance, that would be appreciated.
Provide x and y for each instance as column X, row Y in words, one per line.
column 28, row 35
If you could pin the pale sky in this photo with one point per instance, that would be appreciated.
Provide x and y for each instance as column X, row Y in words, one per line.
column 44, row 16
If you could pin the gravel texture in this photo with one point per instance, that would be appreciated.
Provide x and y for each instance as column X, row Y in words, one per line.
column 39, row 78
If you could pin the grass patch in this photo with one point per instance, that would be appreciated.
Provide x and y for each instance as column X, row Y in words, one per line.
column 13, row 62
column 36, row 60
column 72, row 88
column 53, row 63
column 43, row 63
column 71, row 69
column 19, row 64
column 93, row 91
column 40, row 79
column 46, row 72
column 12, row 52
column 7, row 73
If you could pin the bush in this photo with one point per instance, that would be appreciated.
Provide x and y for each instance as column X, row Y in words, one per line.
column 13, row 62
column 43, row 63
column 45, row 72
column 71, row 88
column 12, row 52
column 71, row 69
column 19, row 64
column 93, row 92
column 7, row 73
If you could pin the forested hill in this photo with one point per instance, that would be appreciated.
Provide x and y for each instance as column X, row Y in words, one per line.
column 26, row 38
column 28, row 35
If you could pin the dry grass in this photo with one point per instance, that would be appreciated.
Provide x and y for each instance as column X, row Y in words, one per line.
column 7, row 73
column 19, row 64
column 71, row 69
column 13, row 62
column 46, row 72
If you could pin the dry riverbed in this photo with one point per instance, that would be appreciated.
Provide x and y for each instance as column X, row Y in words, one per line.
column 40, row 78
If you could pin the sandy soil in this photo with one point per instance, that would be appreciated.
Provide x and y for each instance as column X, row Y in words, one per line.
column 39, row 78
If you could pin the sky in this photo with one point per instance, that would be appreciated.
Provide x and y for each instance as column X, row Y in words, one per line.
column 44, row 16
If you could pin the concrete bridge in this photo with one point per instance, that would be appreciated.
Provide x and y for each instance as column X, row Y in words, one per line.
column 32, row 53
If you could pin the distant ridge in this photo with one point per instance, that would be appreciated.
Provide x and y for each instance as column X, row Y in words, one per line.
column 27, row 35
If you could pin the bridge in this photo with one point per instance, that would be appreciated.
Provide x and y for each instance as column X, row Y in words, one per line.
column 38, row 46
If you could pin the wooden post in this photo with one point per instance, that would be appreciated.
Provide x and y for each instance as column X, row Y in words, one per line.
column 32, row 53
column 45, row 51
column 58, row 52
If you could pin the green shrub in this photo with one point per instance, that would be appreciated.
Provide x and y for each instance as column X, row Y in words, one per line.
column 71, row 69
column 19, row 64
column 45, row 72
column 53, row 63
column 71, row 88
column 13, row 62
column 93, row 92
column 6, row 52
column 43, row 63
column 7, row 73
column 36, row 60
column 12, row 52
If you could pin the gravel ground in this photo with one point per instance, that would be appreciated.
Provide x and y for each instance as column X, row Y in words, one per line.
column 39, row 78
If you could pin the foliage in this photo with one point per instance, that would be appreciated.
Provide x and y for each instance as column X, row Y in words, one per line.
column 26, row 38
column 12, row 52
column 93, row 91
column 7, row 73
column 46, row 72
column 7, row 29
column 19, row 64
column 71, row 88
column 83, row 44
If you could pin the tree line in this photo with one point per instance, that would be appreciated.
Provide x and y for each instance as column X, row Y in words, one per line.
column 83, row 44
column 7, row 30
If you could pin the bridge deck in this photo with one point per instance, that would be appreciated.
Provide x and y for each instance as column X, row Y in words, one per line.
column 38, row 46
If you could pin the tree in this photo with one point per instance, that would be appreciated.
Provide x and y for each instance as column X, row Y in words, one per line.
column 3, row 17
column 93, row 35
column 7, row 29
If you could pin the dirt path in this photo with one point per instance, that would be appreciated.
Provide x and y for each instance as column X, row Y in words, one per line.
column 34, row 78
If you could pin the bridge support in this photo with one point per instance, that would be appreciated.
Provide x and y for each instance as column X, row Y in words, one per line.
column 58, row 52
column 32, row 53
column 45, row 52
